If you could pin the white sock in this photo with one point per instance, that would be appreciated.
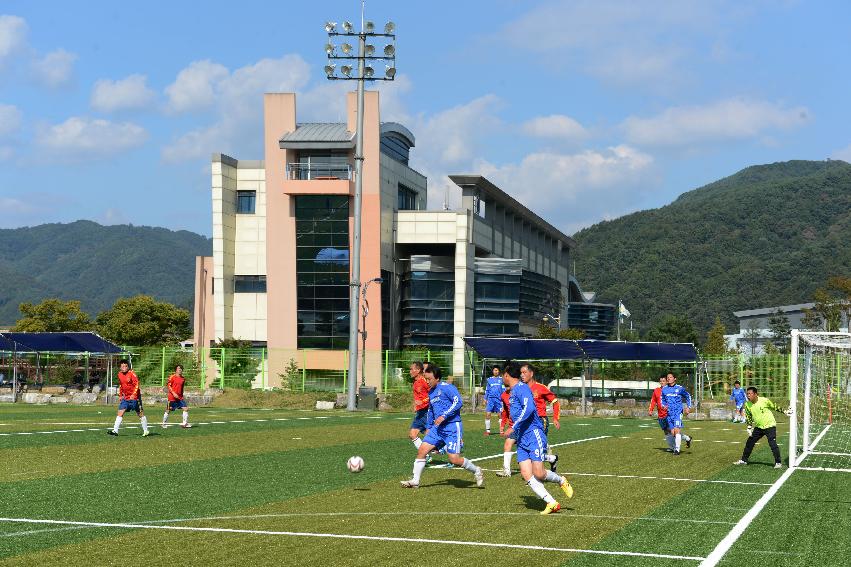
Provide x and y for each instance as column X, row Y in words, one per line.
column 468, row 465
column 678, row 440
column 686, row 437
column 165, row 417
column 487, row 425
column 118, row 419
column 419, row 465
column 185, row 417
column 506, row 460
column 550, row 458
column 539, row 489
column 144, row 420
column 417, row 442
column 553, row 477
column 670, row 439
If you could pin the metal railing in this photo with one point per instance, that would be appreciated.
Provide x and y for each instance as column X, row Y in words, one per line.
column 307, row 172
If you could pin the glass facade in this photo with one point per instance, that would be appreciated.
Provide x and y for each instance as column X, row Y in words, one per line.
column 496, row 310
column 539, row 296
column 322, row 271
column 407, row 198
column 395, row 148
column 320, row 164
column 428, row 295
column 249, row 284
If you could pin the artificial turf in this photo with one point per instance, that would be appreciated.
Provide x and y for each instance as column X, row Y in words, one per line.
column 284, row 471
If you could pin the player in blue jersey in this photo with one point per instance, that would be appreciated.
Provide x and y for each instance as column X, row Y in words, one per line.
column 531, row 441
column 493, row 397
column 444, row 428
column 673, row 396
column 738, row 397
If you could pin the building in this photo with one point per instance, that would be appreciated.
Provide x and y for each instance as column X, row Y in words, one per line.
column 279, row 274
column 755, row 330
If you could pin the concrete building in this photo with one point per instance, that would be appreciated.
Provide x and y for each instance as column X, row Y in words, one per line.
column 279, row 273
column 755, row 330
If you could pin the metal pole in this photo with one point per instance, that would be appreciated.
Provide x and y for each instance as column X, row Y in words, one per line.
column 354, row 286
column 793, row 399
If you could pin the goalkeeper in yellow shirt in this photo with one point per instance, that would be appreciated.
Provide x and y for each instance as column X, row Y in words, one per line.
column 761, row 423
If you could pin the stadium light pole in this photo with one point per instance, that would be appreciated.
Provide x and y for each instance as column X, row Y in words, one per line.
column 548, row 317
column 365, row 72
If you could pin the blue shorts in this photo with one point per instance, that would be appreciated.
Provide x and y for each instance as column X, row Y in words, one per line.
column 675, row 422
column 132, row 405
column 176, row 404
column 420, row 418
column 532, row 445
column 449, row 433
column 663, row 423
column 493, row 406
column 739, row 408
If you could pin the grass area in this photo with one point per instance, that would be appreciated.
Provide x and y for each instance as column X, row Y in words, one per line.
column 269, row 486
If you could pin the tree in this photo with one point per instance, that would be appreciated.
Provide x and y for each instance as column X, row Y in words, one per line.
column 546, row 331
column 781, row 331
column 752, row 335
column 716, row 344
column 53, row 316
column 829, row 309
column 673, row 329
column 144, row 321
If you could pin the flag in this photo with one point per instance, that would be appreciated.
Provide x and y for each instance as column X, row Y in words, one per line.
column 622, row 310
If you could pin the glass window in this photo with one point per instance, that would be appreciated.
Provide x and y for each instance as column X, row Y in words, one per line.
column 407, row 198
column 249, row 284
column 245, row 202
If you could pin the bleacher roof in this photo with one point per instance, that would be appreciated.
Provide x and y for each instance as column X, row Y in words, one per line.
column 81, row 342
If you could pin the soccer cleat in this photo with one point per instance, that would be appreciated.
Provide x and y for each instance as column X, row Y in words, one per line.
column 487, row 432
column 554, row 463
column 505, row 473
column 428, row 459
column 778, row 465
column 740, row 462
column 566, row 488
column 145, row 433
column 186, row 426
column 112, row 432
column 164, row 426
column 480, row 477
column 688, row 442
column 551, row 507
column 410, row 484
column 676, row 452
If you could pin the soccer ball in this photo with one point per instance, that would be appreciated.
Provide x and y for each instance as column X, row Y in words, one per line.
column 355, row 464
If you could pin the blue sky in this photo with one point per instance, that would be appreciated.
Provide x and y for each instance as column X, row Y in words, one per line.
column 583, row 110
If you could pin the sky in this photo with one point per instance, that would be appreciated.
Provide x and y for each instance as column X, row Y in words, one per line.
column 582, row 110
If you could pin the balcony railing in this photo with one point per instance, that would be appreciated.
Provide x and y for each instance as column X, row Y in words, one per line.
column 307, row 172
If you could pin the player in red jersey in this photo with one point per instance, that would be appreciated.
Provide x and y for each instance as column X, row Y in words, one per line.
column 543, row 396
column 420, row 388
column 175, row 396
column 506, row 422
column 662, row 413
column 130, row 396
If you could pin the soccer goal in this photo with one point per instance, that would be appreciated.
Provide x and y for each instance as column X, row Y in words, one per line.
column 820, row 392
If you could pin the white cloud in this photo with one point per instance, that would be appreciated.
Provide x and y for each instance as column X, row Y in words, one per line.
column 112, row 216
column 556, row 126
column 123, row 94
column 82, row 138
column 55, row 69
column 575, row 190
column 730, row 119
column 844, row 154
column 238, row 99
column 10, row 120
column 17, row 206
column 455, row 136
column 13, row 35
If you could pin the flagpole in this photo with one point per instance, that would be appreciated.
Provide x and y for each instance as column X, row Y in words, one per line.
column 619, row 319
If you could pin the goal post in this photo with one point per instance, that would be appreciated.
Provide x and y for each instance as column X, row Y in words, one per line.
column 820, row 397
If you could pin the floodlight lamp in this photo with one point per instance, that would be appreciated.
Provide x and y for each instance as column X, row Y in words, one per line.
column 389, row 51
column 369, row 27
column 329, row 70
column 390, row 72
column 368, row 72
column 369, row 50
column 329, row 48
column 389, row 27
column 348, row 27
column 346, row 70
column 330, row 27
column 346, row 48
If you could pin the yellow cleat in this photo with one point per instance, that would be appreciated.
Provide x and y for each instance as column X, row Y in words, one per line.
column 551, row 508
column 566, row 488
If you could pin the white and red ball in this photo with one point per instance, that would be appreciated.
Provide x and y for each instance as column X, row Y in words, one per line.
column 355, row 464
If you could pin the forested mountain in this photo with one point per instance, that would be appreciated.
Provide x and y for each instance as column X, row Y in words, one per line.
column 768, row 235
column 96, row 264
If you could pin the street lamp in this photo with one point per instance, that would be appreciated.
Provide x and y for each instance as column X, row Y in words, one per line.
column 549, row 317
column 366, row 53
column 365, row 312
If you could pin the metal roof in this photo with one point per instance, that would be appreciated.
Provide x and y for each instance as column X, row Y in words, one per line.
column 318, row 135
column 772, row 310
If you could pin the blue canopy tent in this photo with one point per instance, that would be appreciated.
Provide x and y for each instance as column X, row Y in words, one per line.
column 79, row 344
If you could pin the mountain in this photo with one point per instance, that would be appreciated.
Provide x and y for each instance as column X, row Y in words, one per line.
column 768, row 235
column 96, row 264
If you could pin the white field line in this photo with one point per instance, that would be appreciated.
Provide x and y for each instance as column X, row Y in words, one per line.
column 830, row 453
column 824, row 469
column 477, row 459
column 638, row 477
column 354, row 537
column 725, row 544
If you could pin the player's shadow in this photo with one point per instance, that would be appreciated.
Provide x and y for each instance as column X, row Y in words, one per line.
column 456, row 482
column 535, row 503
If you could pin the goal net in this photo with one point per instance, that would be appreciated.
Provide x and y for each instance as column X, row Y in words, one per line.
column 820, row 380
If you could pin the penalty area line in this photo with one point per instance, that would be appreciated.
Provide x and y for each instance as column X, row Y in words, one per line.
column 354, row 537
column 477, row 459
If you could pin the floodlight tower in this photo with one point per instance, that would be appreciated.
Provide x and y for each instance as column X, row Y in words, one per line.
column 365, row 58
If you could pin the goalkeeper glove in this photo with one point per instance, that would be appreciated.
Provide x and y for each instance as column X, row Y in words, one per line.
column 750, row 430
column 789, row 411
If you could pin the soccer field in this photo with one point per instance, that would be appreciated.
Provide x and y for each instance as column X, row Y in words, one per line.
column 270, row 487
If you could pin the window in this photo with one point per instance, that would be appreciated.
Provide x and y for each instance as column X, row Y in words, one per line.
column 249, row 284
column 479, row 206
column 245, row 201
column 407, row 198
